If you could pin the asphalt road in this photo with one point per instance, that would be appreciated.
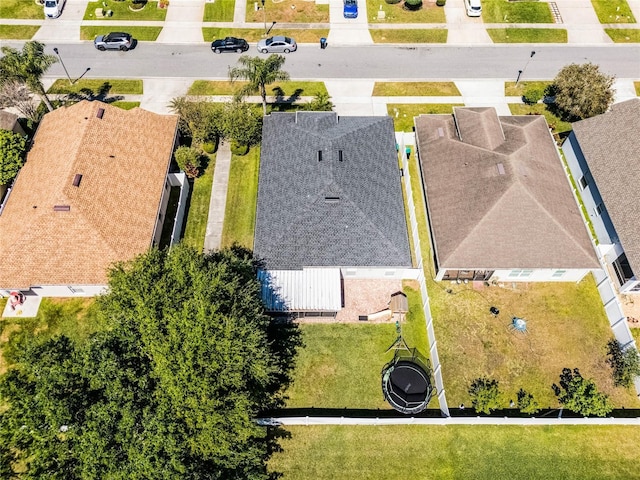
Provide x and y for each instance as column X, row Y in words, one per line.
column 150, row 60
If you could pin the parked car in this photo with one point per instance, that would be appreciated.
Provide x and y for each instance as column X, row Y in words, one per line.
column 350, row 9
column 230, row 44
column 277, row 44
column 113, row 41
column 53, row 8
column 474, row 8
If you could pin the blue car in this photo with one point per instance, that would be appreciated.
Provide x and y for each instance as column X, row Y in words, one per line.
column 350, row 9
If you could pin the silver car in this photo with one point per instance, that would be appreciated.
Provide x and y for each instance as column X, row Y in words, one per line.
column 277, row 44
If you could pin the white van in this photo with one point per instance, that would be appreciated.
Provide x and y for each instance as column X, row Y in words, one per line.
column 474, row 9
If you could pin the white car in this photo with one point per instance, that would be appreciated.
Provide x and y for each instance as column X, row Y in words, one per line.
column 474, row 9
column 53, row 8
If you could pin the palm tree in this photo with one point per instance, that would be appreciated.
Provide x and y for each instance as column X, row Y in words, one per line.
column 259, row 73
column 28, row 67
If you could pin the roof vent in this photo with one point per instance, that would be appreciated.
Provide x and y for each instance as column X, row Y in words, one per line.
column 76, row 179
column 319, row 155
column 331, row 199
column 340, row 155
column 500, row 168
column 100, row 113
column 61, row 208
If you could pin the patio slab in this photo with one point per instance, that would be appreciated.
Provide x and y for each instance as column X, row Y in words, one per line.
column 28, row 309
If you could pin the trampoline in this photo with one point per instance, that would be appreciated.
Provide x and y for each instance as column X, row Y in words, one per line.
column 406, row 385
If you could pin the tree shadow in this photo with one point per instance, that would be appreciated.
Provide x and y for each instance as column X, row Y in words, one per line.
column 280, row 95
column 101, row 94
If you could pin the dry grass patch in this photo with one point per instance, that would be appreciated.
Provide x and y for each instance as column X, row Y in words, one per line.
column 395, row 13
column 288, row 11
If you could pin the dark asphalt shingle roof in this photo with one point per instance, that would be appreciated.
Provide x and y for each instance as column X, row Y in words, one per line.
column 298, row 224
column 611, row 146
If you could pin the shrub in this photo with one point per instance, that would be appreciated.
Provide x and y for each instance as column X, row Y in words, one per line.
column 441, row 3
column 624, row 362
column 484, row 394
column 526, row 403
column 188, row 159
column 392, row 2
column 533, row 95
column 412, row 4
column 580, row 394
column 12, row 151
column 210, row 146
column 238, row 149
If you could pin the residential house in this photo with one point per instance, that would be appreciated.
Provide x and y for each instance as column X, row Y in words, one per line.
column 499, row 204
column 330, row 208
column 93, row 191
column 603, row 154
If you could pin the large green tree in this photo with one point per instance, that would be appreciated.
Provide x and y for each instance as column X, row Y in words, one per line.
column 27, row 66
column 241, row 122
column 258, row 73
column 582, row 91
column 169, row 390
column 12, row 150
column 581, row 394
column 485, row 395
column 624, row 362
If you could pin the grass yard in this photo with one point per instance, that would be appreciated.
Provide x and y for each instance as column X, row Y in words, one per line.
column 623, row 35
column 126, row 105
column 403, row 113
column 284, row 12
column 527, row 35
column 340, row 364
column 513, row 90
column 242, row 198
column 219, row 11
column 198, row 211
column 637, row 87
column 394, row 13
column 121, row 11
column 458, row 452
column 308, row 35
column 613, row 11
column 131, row 87
column 415, row 89
column 503, row 11
column 17, row 32
column 21, row 9
column 142, row 34
column 225, row 87
column 426, row 35
column 559, row 126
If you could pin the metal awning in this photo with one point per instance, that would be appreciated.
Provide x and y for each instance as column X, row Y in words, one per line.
column 309, row 289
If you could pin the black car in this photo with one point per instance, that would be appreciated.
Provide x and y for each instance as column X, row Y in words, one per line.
column 113, row 41
column 230, row 44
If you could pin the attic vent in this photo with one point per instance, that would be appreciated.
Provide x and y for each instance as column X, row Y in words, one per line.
column 61, row 208
column 76, row 180
column 331, row 199
column 500, row 168
column 440, row 132
column 319, row 155
column 100, row 113
column 340, row 155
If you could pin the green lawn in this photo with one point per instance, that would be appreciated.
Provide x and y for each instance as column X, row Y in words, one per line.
column 198, row 213
column 242, row 197
column 307, row 35
column 225, row 87
column 623, row 35
column 126, row 105
column 113, row 86
column 636, row 335
column 121, row 11
column 458, row 452
column 415, row 89
column 219, row 11
column 17, row 32
column 503, row 11
column 513, row 90
column 637, row 87
column 394, row 13
column 527, row 35
column 613, row 11
column 20, row 9
column 558, row 125
column 143, row 34
column 426, row 35
column 291, row 11
column 340, row 364
column 403, row 113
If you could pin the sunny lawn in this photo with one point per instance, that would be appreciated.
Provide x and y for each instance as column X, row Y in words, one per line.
column 527, row 35
column 425, row 35
column 415, row 89
column 403, row 113
column 121, row 11
column 198, row 212
column 113, row 86
column 559, row 126
column 503, row 11
column 340, row 364
column 613, row 11
column 458, row 452
column 282, row 12
column 225, row 87
column 17, row 32
column 513, row 90
column 20, row 9
column 143, row 34
column 126, row 105
column 623, row 35
column 219, row 11
column 394, row 13
column 308, row 35
column 637, row 87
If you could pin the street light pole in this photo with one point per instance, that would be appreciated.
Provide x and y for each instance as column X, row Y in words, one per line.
column 264, row 17
column 55, row 49
column 520, row 72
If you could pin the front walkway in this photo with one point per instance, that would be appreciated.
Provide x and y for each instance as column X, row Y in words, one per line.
column 218, row 202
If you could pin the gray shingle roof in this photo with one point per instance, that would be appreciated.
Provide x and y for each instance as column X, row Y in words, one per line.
column 329, row 212
column 611, row 146
column 510, row 207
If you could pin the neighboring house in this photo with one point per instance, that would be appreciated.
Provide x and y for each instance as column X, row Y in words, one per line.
column 603, row 154
column 499, row 203
column 330, row 208
column 93, row 191
column 9, row 121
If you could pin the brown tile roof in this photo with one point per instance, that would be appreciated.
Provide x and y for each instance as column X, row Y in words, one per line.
column 502, row 208
column 123, row 159
column 611, row 146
